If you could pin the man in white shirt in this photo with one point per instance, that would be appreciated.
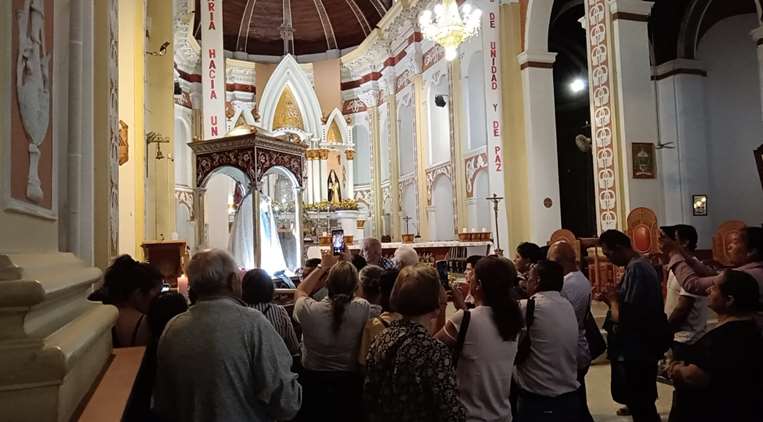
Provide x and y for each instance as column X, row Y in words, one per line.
column 577, row 290
column 548, row 375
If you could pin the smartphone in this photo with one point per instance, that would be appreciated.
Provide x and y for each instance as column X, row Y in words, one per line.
column 337, row 241
column 442, row 271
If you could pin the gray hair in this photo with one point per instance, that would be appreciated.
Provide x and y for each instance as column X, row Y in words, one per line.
column 370, row 278
column 405, row 256
column 209, row 273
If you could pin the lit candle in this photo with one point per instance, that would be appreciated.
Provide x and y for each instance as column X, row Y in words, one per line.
column 463, row 230
column 483, row 230
column 183, row 285
column 474, row 230
column 325, row 234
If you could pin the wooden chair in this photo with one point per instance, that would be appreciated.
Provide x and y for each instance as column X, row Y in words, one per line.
column 643, row 230
column 721, row 240
column 564, row 235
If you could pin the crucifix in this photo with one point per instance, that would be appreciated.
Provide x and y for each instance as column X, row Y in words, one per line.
column 407, row 220
column 495, row 199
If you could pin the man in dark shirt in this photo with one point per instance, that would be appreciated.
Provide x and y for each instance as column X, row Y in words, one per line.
column 636, row 325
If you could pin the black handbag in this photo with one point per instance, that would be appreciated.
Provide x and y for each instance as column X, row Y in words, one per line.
column 596, row 343
column 461, row 336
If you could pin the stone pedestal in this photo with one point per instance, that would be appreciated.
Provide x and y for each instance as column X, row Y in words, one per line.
column 53, row 341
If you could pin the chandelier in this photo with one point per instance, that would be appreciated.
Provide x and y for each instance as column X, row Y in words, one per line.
column 450, row 27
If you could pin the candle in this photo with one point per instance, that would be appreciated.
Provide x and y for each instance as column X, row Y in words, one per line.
column 463, row 230
column 325, row 234
column 483, row 230
column 183, row 285
column 474, row 230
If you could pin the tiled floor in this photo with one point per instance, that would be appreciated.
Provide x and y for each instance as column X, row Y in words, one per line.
column 600, row 401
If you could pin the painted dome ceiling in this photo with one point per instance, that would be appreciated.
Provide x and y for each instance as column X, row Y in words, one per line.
column 316, row 26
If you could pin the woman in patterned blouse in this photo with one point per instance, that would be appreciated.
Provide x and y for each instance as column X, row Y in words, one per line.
column 410, row 375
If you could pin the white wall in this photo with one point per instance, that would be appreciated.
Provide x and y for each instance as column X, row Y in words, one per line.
column 409, row 209
column 733, row 119
column 362, row 164
column 219, row 189
column 478, row 208
column 439, row 124
column 441, row 212
column 182, row 153
column 474, row 102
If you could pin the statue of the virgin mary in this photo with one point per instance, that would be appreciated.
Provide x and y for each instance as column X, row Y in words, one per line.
column 241, row 243
column 335, row 188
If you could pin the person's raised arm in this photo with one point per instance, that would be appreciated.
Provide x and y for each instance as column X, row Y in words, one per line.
column 315, row 280
column 687, row 277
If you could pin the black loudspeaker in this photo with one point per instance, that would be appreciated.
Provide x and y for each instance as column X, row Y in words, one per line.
column 439, row 100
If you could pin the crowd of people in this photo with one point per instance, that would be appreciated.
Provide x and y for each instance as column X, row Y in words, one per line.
column 369, row 339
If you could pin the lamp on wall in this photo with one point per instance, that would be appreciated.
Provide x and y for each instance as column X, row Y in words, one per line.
column 450, row 26
column 699, row 205
column 158, row 139
column 162, row 50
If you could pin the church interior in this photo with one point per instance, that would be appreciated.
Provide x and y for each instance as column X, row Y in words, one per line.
column 276, row 130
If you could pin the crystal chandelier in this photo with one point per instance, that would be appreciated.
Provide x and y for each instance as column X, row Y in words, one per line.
column 450, row 27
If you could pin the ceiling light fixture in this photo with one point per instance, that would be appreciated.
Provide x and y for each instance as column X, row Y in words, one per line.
column 450, row 27
column 578, row 85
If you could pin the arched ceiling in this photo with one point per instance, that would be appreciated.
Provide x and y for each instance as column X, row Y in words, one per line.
column 316, row 26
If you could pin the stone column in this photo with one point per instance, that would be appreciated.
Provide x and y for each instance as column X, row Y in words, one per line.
column 757, row 35
column 256, row 191
column 323, row 172
column 422, row 136
column 636, row 100
column 377, row 200
column 684, row 162
column 394, row 168
column 350, row 188
column 310, row 180
column 457, row 118
column 540, row 137
column 159, row 81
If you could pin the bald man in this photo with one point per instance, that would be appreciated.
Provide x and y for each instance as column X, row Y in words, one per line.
column 576, row 289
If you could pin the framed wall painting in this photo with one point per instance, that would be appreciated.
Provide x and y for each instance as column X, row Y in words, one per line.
column 643, row 160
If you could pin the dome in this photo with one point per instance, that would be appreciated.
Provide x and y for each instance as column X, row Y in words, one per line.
column 317, row 26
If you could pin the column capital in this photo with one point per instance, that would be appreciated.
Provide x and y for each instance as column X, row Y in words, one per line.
column 536, row 59
column 632, row 10
column 679, row 67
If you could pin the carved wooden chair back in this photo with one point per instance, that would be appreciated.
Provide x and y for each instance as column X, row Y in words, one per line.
column 643, row 230
column 721, row 240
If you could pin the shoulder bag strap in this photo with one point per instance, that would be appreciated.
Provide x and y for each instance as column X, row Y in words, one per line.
column 461, row 336
column 384, row 322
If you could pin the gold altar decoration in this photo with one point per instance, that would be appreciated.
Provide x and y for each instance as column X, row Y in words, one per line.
column 350, row 154
column 287, row 113
column 124, row 147
column 323, row 154
column 334, row 136
column 323, row 206
column 360, row 223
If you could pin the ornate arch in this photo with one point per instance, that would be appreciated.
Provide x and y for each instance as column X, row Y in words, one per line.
column 337, row 118
column 289, row 74
column 690, row 25
column 536, row 25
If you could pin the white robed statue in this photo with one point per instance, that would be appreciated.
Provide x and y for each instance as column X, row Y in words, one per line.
column 241, row 244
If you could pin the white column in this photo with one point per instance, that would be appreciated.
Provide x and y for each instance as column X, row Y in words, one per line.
column 298, row 191
column 310, row 179
column 681, row 96
column 540, row 138
column 323, row 175
column 757, row 35
column 636, row 99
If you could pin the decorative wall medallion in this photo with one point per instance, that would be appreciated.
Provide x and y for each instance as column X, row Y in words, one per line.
column 548, row 203
column 602, row 129
column 472, row 166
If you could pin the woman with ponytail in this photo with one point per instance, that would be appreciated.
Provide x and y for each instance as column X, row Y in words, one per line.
column 131, row 286
column 331, row 332
column 487, row 344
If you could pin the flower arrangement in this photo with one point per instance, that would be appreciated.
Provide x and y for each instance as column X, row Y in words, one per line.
column 323, row 206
